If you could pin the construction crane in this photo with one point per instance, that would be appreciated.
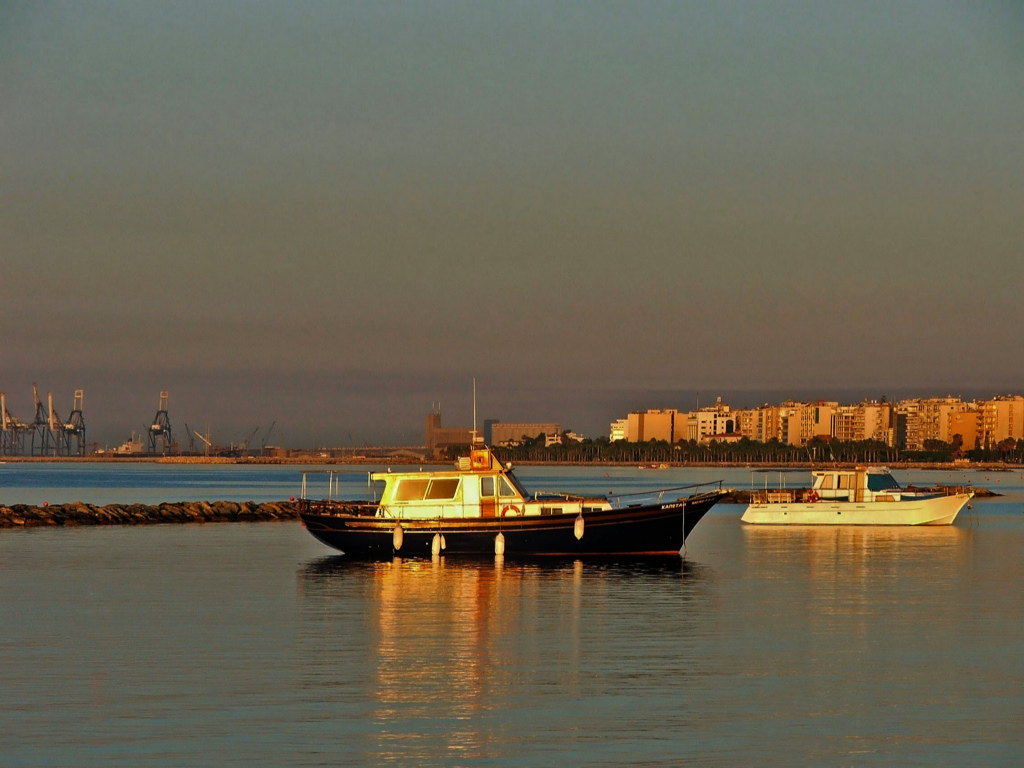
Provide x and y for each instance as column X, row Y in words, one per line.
column 205, row 440
column 245, row 443
column 160, row 431
column 263, row 445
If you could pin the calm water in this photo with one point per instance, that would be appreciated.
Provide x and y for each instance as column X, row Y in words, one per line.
column 250, row 644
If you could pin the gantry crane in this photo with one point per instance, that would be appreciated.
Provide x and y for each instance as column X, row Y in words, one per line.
column 12, row 431
column 43, row 442
column 160, row 431
column 74, row 427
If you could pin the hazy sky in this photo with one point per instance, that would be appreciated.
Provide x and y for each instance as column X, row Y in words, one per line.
column 334, row 214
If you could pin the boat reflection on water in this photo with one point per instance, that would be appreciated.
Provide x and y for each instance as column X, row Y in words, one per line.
column 826, row 548
column 843, row 576
column 448, row 650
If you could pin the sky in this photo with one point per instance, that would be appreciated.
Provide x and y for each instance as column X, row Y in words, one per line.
column 333, row 216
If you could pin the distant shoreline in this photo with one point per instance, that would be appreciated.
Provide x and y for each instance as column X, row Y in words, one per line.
column 407, row 461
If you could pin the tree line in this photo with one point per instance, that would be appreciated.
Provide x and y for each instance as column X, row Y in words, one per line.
column 746, row 451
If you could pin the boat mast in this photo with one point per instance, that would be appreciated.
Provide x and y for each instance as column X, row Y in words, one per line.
column 475, row 438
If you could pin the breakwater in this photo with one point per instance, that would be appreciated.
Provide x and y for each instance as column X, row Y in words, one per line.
column 79, row 513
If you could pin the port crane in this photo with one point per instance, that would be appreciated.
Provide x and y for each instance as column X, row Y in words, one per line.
column 75, row 425
column 12, row 431
column 160, row 431
column 191, row 440
column 42, row 435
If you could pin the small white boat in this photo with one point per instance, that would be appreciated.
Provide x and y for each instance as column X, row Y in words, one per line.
column 862, row 496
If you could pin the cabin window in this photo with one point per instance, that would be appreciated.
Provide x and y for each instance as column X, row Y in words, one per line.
column 487, row 486
column 844, row 482
column 515, row 484
column 878, row 483
column 445, row 488
column 411, row 490
column 828, row 482
column 506, row 489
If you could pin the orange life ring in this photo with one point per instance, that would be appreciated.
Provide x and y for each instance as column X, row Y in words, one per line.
column 812, row 497
column 509, row 507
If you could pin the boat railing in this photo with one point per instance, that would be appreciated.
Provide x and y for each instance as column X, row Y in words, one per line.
column 643, row 498
column 336, row 507
column 939, row 490
column 556, row 496
column 779, row 496
column 334, row 479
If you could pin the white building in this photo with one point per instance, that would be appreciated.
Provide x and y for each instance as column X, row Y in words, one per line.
column 618, row 429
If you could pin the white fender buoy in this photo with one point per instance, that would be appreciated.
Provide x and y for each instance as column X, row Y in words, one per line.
column 577, row 529
column 396, row 537
column 435, row 544
column 444, row 545
column 499, row 544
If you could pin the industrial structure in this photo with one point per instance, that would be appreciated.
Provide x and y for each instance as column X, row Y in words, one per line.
column 498, row 433
column 47, row 434
column 14, row 431
column 439, row 438
column 160, row 438
column 495, row 432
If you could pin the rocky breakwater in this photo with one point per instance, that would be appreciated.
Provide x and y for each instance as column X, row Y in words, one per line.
column 80, row 513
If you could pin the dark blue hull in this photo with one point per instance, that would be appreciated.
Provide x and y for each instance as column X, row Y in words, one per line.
column 659, row 529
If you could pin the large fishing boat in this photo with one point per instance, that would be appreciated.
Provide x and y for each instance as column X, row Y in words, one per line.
column 861, row 496
column 480, row 508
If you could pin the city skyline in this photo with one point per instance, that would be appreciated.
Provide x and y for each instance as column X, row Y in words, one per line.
column 108, row 428
column 332, row 215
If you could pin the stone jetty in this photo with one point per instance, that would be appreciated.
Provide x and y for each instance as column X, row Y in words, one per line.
column 79, row 513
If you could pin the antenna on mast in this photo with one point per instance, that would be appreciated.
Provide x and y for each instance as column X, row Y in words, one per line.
column 475, row 438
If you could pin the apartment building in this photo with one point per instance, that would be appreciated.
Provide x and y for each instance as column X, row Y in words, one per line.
column 717, row 419
column 617, row 430
column 747, row 422
column 816, row 420
column 848, row 423
column 968, row 425
column 1001, row 418
column 933, row 417
column 868, row 420
column 908, row 424
column 656, row 425
column 791, row 423
column 877, row 421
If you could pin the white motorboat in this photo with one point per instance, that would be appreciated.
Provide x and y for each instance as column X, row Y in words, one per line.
column 861, row 496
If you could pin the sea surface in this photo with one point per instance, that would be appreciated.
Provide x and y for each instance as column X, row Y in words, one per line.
column 252, row 644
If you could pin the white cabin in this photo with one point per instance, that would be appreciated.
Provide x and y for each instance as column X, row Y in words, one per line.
column 858, row 485
column 479, row 487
